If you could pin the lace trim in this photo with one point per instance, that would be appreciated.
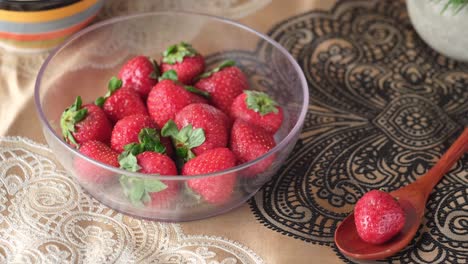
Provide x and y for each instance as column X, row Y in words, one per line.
column 45, row 217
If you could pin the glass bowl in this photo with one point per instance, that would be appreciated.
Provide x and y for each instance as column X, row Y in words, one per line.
column 85, row 62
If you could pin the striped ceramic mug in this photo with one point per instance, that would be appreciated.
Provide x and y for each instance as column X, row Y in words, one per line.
column 41, row 25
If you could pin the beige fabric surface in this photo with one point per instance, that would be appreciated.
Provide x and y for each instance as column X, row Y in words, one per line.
column 18, row 118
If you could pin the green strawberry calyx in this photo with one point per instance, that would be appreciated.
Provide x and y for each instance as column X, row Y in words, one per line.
column 148, row 140
column 190, row 193
column 155, row 73
column 169, row 75
column 113, row 85
column 222, row 65
column 194, row 90
column 184, row 140
column 136, row 189
column 72, row 115
column 260, row 102
column 177, row 53
column 172, row 75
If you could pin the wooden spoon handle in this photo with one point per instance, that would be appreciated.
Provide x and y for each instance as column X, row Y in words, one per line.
column 453, row 154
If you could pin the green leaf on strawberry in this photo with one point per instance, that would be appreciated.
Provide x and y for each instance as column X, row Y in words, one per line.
column 155, row 73
column 172, row 75
column 224, row 64
column 170, row 129
column 177, row 53
column 113, row 85
column 128, row 160
column 137, row 189
column 169, row 75
column 261, row 102
column 100, row 101
column 184, row 140
column 150, row 141
column 152, row 185
column 191, row 194
column 194, row 90
column 195, row 137
column 72, row 115
column 182, row 152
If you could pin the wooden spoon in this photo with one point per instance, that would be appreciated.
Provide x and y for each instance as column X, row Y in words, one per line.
column 412, row 198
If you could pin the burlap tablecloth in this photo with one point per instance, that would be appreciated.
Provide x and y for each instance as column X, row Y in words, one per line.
column 384, row 107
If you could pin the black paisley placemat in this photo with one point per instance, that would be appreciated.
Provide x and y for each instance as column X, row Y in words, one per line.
column 384, row 107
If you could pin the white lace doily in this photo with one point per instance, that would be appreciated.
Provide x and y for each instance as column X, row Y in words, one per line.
column 45, row 217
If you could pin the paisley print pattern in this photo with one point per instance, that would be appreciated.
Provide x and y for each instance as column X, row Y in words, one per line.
column 384, row 108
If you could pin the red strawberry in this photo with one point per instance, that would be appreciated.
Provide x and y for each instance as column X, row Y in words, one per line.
column 124, row 102
column 168, row 97
column 153, row 162
column 84, row 123
column 259, row 109
column 208, row 118
column 378, row 217
column 185, row 60
column 146, row 156
column 216, row 189
column 224, row 84
column 249, row 142
column 121, row 102
column 100, row 152
column 149, row 191
column 140, row 74
column 127, row 130
column 132, row 129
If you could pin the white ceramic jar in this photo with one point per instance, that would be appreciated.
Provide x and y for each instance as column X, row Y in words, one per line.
column 445, row 31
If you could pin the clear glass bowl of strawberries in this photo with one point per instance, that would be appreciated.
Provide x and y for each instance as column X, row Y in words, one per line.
column 171, row 116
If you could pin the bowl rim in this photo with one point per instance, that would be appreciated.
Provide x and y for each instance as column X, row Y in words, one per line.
column 279, row 146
